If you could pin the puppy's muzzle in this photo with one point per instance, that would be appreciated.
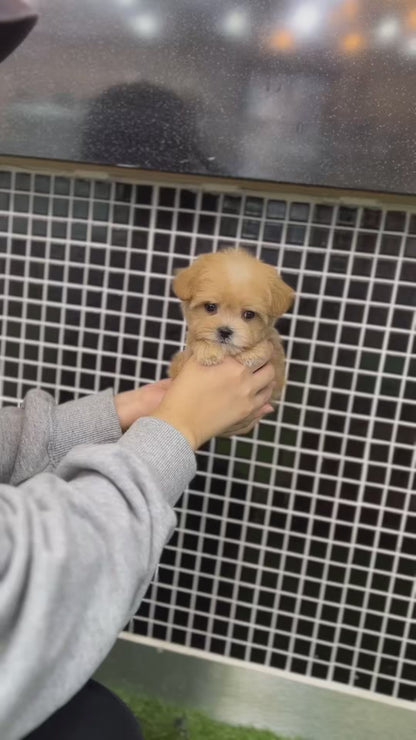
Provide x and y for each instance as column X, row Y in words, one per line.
column 224, row 334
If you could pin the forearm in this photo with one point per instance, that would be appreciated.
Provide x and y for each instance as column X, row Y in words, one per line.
column 37, row 436
column 78, row 549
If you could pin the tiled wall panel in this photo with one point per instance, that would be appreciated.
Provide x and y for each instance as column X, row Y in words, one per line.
column 295, row 547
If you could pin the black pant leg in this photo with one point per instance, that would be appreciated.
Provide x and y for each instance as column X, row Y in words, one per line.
column 95, row 713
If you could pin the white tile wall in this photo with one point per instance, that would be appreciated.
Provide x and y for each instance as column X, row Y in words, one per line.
column 295, row 546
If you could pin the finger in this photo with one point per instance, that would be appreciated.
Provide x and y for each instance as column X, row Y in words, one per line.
column 263, row 377
column 164, row 384
column 259, row 416
column 236, row 429
column 266, row 409
column 263, row 397
column 256, row 416
column 249, row 421
column 249, row 427
column 269, row 409
column 239, row 430
column 247, row 424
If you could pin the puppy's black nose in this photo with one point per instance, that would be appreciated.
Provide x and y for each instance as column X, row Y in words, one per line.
column 224, row 332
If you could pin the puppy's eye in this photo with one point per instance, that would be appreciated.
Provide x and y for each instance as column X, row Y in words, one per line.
column 248, row 315
column 210, row 307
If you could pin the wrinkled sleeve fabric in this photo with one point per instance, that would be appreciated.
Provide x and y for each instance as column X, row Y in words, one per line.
column 79, row 544
column 35, row 437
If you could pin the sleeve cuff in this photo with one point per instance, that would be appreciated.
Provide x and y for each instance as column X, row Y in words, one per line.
column 166, row 451
column 90, row 420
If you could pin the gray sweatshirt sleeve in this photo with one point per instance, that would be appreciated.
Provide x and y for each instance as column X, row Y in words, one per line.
column 78, row 548
column 35, row 437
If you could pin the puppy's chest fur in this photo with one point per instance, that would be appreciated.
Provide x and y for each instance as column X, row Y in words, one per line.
column 230, row 300
column 213, row 352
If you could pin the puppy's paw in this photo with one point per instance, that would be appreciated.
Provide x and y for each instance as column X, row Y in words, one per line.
column 251, row 359
column 212, row 360
column 254, row 361
column 208, row 354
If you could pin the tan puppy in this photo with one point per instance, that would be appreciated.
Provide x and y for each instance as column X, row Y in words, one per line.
column 230, row 302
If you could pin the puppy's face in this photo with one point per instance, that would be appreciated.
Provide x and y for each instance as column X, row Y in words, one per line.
column 232, row 299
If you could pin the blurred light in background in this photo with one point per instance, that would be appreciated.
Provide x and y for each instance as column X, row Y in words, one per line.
column 411, row 18
column 306, row 19
column 410, row 47
column 146, row 25
column 352, row 43
column 235, row 23
column 388, row 29
column 281, row 40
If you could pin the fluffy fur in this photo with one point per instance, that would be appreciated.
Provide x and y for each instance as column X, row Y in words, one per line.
column 231, row 301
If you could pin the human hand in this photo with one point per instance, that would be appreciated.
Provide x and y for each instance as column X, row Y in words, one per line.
column 248, row 425
column 206, row 401
column 132, row 405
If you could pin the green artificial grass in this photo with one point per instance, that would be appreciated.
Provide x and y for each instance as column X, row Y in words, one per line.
column 163, row 721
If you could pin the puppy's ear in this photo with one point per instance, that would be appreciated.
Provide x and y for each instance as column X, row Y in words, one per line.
column 281, row 294
column 184, row 283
